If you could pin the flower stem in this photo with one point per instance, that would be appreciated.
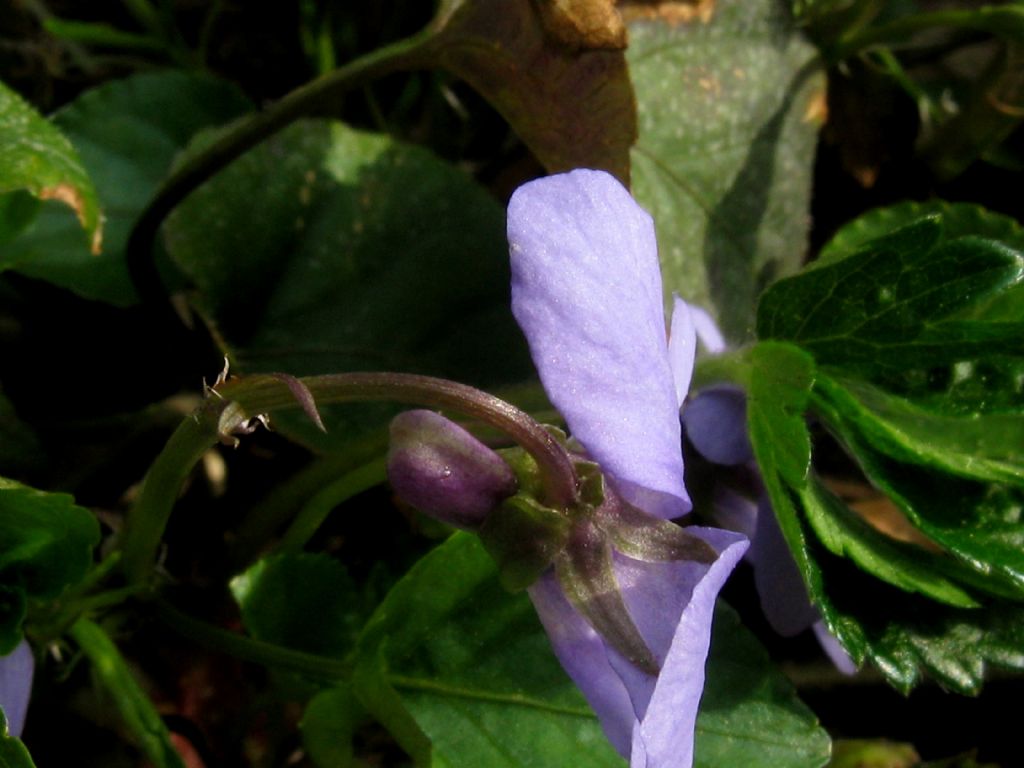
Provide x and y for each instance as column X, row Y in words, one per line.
column 316, row 510
column 241, row 399
column 250, row 649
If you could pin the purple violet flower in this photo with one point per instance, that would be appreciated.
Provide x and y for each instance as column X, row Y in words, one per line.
column 586, row 290
column 16, row 670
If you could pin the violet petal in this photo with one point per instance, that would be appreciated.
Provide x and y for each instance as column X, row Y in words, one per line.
column 784, row 598
column 16, row 670
column 586, row 290
column 708, row 333
column 582, row 654
column 649, row 718
column 672, row 605
column 682, row 348
column 716, row 424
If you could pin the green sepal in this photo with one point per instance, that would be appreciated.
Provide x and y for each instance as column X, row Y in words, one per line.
column 12, row 752
column 523, row 537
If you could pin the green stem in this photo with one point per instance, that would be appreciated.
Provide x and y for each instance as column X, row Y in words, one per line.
column 147, row 16
column 242, row 136
column 249, row 649
column 316, row 510
column 147, row 519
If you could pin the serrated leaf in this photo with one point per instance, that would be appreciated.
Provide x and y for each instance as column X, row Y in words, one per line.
column 331, row 249
column 905, row 566
column 452, row 644
column 890, row 305
column 46, row 545
column 35, row 156
column 304, row 601
column 127, row 133
column 979, row 446
column 729, row 99
column 572, row 105
column 905, row 635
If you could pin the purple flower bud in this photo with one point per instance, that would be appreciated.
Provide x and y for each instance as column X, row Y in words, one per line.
column 442, row 470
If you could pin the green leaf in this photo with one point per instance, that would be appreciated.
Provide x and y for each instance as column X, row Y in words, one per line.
column 134, row 706
column 46, row 545
column 572, row 105
column 127, row 132
column 447, row 645
column 890, row 305
column 303, row 601
column 958, row 220
column 906, row 566
column 35, row 156
column 12, row 752
column 781, row 377
column 979, row 446
column 330, row 249
column 729, row 107
column 327, row 726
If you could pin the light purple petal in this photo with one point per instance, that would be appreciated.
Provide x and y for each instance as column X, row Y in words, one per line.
column 650, row 719
column 582, row 654
column 716, row 424
column 16, row 670
column 682, row 348
column 673, row 605
column 586, row 290
column 833, row 649
column 708, row 334
column 783, row 595
column 734, row 511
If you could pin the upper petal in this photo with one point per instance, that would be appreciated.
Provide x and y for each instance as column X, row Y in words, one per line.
column 586, row 290
column 16, row 669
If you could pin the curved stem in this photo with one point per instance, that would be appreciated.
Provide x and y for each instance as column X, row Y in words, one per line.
column 250, row 649
column 236, row 402
column 242, row 136
column 316, row 510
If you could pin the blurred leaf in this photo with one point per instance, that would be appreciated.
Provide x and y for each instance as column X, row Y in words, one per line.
column 729, row 106
column 571, row 105
column 303, row 601
column 20, row 449
column 46, row 544
column 35, row 156
column 327, row 249
column 890, row 305
column 449, row 645
column 17, row 209
column 12, row 752
column 133, row 705
column 327, row 727
column 127, row 133
column 875, row 753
